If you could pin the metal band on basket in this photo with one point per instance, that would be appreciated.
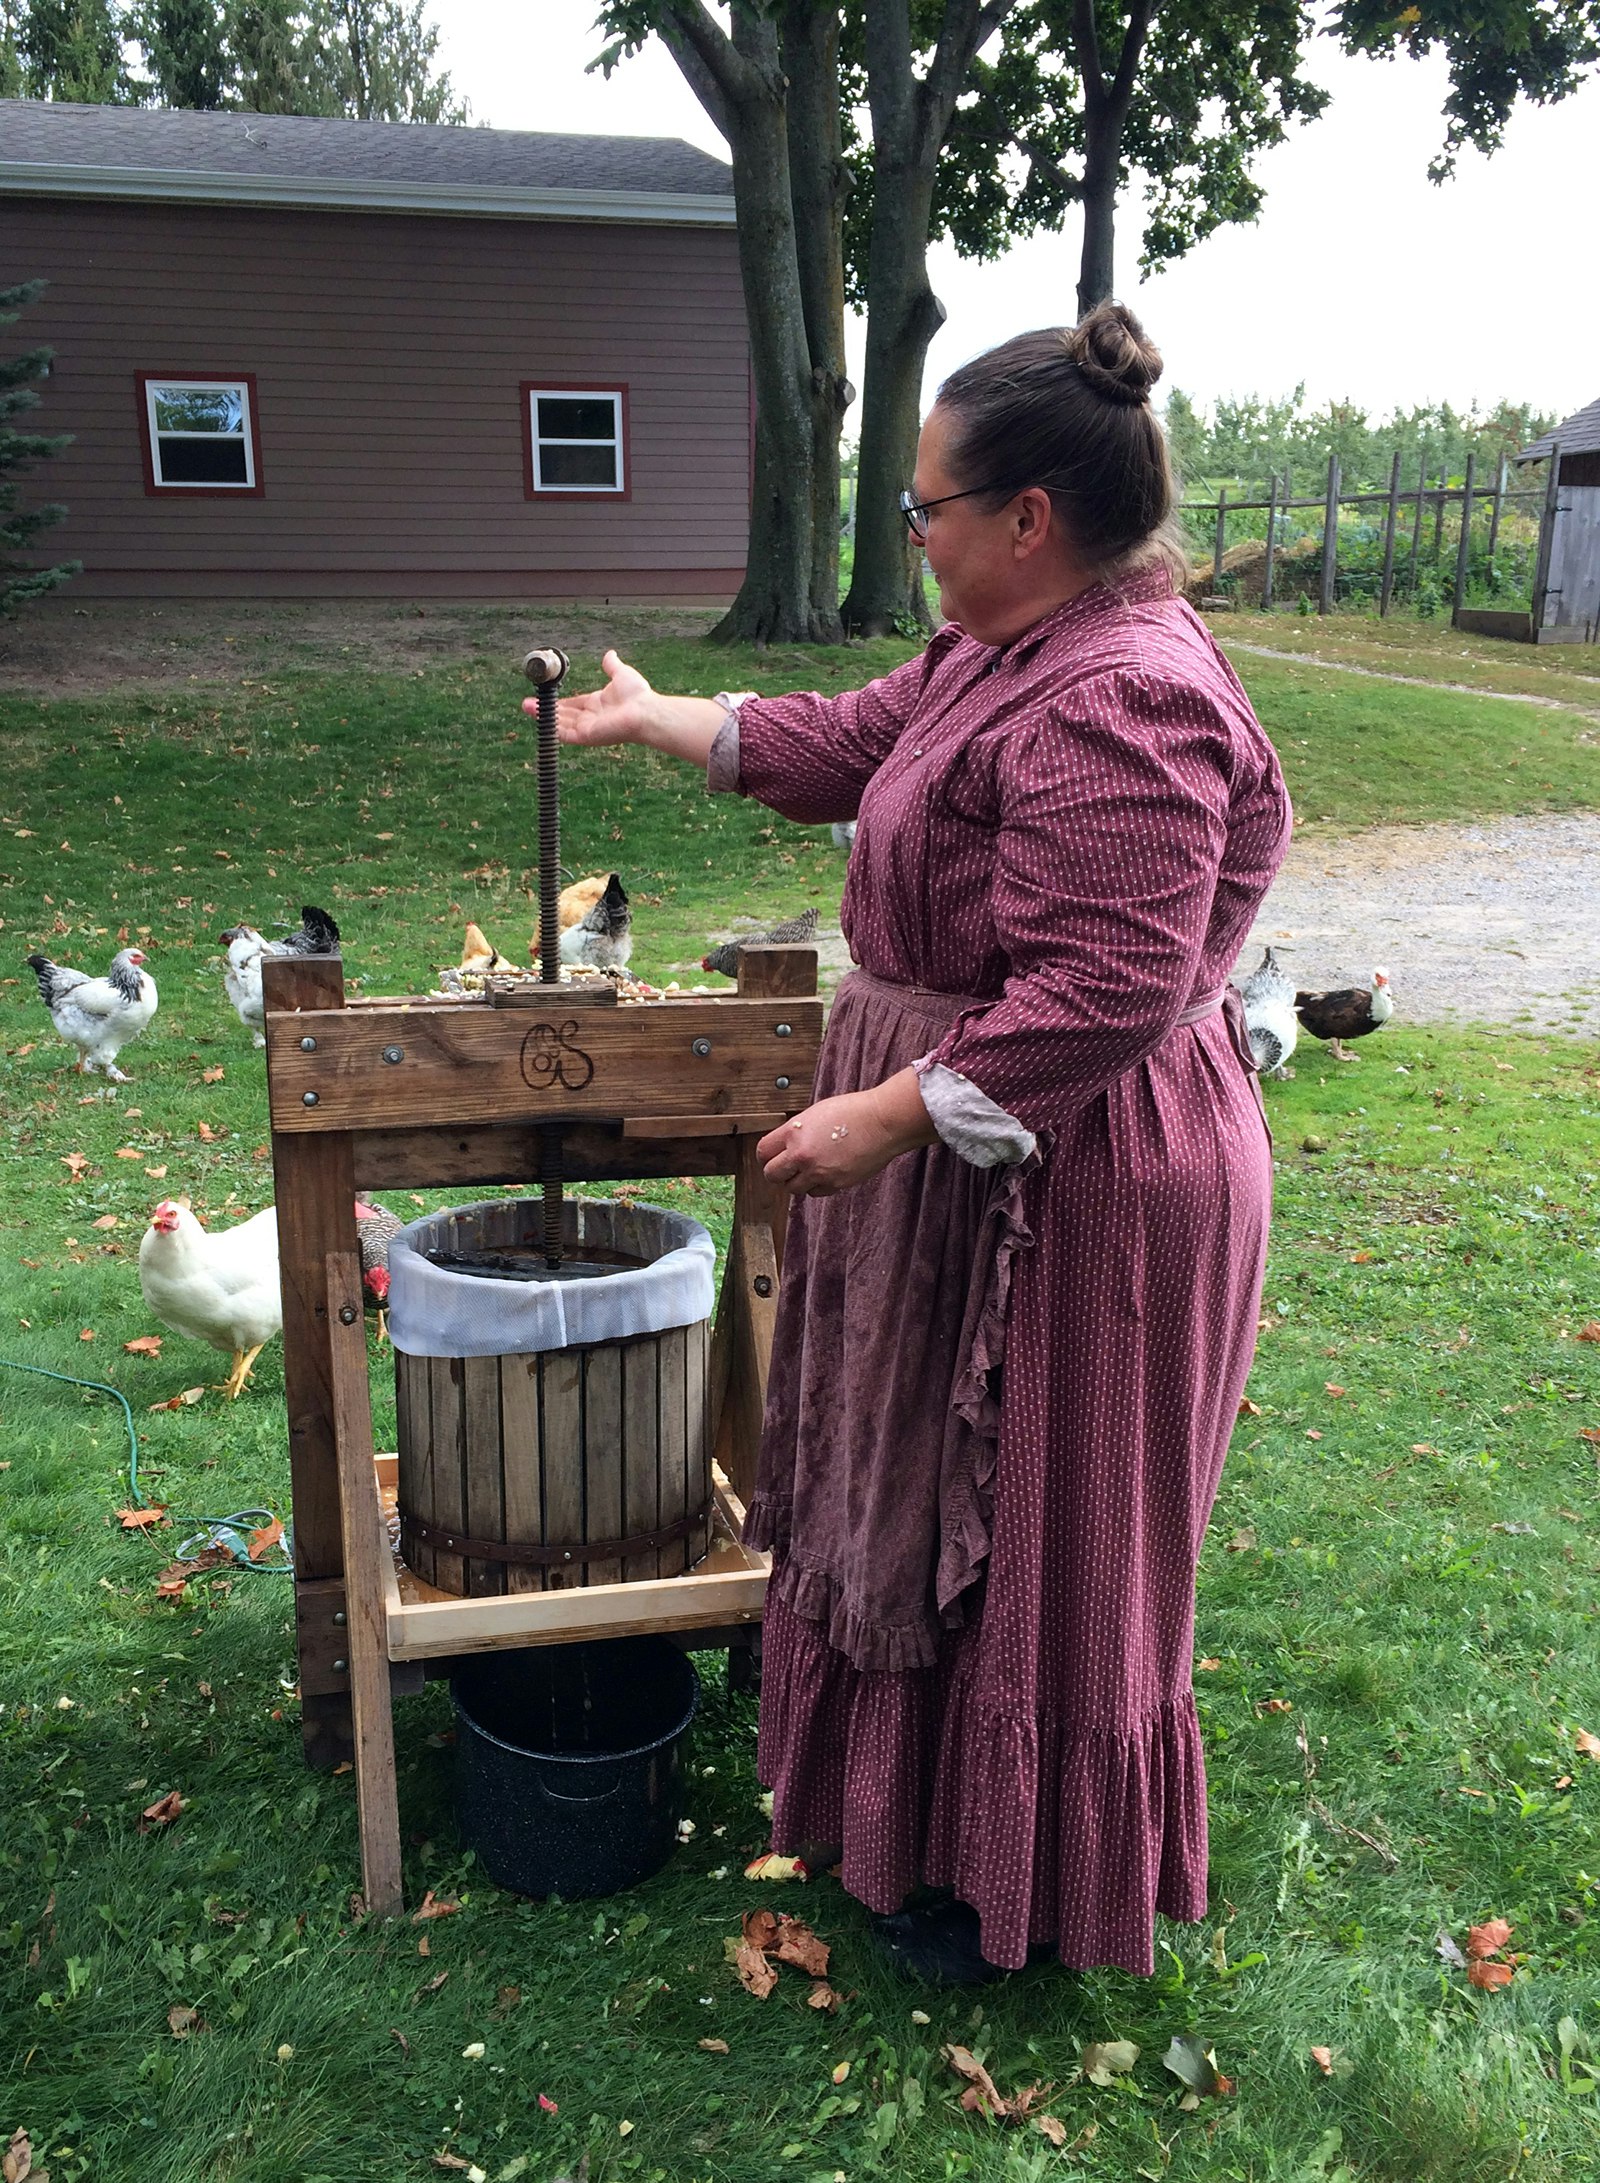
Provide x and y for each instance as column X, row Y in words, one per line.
column 515, row 1550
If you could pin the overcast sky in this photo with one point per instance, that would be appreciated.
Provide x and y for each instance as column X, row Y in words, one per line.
column 1360, row 278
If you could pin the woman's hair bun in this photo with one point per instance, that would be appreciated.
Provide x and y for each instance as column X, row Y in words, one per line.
column 1114, row 354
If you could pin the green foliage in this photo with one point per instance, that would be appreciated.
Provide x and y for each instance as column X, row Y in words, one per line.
column 1421, row 1591
column 1496, row 50
column 19, row 451
column 70, row 50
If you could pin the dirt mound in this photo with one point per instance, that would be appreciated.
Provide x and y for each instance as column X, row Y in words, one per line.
column 1244, row 571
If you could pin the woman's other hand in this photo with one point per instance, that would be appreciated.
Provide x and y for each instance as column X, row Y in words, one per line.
column 846, row 1139
column 621, row 712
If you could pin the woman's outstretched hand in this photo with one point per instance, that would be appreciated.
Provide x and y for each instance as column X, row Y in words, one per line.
column 621, row 712
column 846, row 1139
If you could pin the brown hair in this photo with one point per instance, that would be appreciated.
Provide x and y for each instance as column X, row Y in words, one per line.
column 1068, row 408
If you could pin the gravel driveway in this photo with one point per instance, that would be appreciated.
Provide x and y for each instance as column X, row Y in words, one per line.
column 1494, row 922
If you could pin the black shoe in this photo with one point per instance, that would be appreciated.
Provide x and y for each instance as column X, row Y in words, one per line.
column 937, row 1945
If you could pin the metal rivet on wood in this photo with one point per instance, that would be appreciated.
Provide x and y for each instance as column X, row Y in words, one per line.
column 782, row 1082
column 763, row 1284
column 308, row 1045
column 783, row 1030
column 347, row 1314
column 394, row 1053
column 341, row 1667
column 701, row 1046
column 309, row 1099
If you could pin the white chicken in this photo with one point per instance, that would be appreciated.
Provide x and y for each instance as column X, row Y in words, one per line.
column 219, row 1288
column 248, row 949
column 98, row 1015
column 1269, row 997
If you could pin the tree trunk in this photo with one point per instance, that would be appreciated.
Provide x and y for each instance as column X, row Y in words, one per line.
column 1105, row 115
column 818, row 186
column 1096, row 264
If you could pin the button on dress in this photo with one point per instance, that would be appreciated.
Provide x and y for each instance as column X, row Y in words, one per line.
column 1001, row 1397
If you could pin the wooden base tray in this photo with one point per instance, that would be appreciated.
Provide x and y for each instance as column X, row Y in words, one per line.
column 726, row 1588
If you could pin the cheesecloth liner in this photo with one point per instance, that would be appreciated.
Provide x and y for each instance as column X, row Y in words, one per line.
column 436, row 1313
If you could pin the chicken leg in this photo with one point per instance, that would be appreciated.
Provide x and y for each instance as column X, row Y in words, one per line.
column 1341, row 1052
column 243, row 1359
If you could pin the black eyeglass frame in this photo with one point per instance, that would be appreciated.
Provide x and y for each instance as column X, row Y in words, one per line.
column 915, row 511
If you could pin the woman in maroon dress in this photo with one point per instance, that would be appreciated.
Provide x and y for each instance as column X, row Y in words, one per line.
column 1023, row 1272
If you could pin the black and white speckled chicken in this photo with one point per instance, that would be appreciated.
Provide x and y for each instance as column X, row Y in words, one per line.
column 793, row 932
column 248, row 949
column 376, row 1229
column 1269, row 1002
column 98, row 1015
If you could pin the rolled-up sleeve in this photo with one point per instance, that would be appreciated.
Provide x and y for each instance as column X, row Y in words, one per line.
column 809, row 757
column 1112, row 827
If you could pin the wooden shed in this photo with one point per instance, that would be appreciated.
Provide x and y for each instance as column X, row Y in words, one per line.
column 1566, row 588
column 305, row 357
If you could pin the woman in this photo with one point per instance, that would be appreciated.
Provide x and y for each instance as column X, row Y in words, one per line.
column 1022, row 1278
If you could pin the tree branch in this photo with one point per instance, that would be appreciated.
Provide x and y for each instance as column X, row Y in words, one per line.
column 697, row 74
column 1121, row 94
column 965, row 28
column 1086, row 49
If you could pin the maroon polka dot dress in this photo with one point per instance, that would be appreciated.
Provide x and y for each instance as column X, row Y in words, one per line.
column 1001, row 1396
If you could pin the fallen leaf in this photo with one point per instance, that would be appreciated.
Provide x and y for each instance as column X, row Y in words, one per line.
column 1516, row 1531
column 1447, row 1951
column 432, row 1907
column 1488, row 1939
column 86, row 1334
column 1208, row 1666
column 713, row 2046
column 1589, row 1331
column 450, row 2160
column 1051, row 2127
column 206, row 1134
column 1589, row 1745
column 162, row 1812
column 982, row 2094
column 797, row 1944
column 180, row 1402
column 1105, row 2060
column 1274, row 1705
column 756, row 1974
column 129, row 1152
column 170, row 1583
column 157, row 1174
column 263, row 1541
column 1323, row 2057
column 1423, row 1447
column 775, row 1869
column 140, row 1519
column 16, row 2163
column 1313, row 1434
column 1361, row 1258
column 400, row 2039
column 106, row 1220
column 144, row 1345
column 624, row 2129
column 508, row 1998
column 213, row 1075
column 74, row 1163
column 548, row 2105
column 1242, row 1542
column 432, row 1986
column 1490, row 1976
column 17, row 1052
column 760, row 1928
column 1247, row 1408
column 822, row 1996
column 1195, row 2066
column 182, row 2020
column 1590, row 1433
column 473, row 2051
column 1328, row 1388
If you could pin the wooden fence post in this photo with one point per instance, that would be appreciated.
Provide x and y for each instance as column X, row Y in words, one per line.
column 1330, row 538
column 1390, row 519
column 1416, row 527
column 1494, row 518
column 1547, row 532
column 1438, row 515
column 1222, row 537
column 1463, row 543
column 1272, row 525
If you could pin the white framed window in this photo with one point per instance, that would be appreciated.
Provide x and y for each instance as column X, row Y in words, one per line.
column 576, row 439
column 200, row 434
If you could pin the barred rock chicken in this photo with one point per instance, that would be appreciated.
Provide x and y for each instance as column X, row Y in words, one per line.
column 376, row 1229
column 1269, row 997
column 793, row 932
column 98, row 1015
column 247, row 950
column 1350, row 1011
column 220, row 1287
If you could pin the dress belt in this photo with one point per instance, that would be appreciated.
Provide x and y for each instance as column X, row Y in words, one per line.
column 943, row 1007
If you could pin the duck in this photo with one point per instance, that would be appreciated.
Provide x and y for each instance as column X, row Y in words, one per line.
column 1346, row 1012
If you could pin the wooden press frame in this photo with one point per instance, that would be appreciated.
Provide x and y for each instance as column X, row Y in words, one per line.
column 393, row 1094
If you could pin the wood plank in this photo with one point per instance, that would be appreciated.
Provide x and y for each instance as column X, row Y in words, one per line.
column 449, row 1463
column 484, row 1497
column 776, row 973
column 519, row 1427
column 755, row 1202
column 477, row 1064
column 561, row 1373
column 314, row 1189
column 672, row 1465
column 445, row 1156
column 365, row 1553
column 602, row 1455
column 641, row 1484
column 696, row 1435
column 414, row 1472
column 704, row 1125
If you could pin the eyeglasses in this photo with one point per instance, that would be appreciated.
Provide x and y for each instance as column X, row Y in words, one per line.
column 915, row 511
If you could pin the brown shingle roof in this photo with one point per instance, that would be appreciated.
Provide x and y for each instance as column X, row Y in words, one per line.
column 130, row 150
column 1579, row 434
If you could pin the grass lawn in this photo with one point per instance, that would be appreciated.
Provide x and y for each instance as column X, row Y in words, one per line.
column 1397, row 1658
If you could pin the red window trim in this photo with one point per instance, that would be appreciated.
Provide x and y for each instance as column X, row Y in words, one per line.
column 153, row 488
column 549, row 385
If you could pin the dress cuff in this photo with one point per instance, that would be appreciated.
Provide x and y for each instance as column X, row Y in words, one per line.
column 969, row 1121
column 722, row 761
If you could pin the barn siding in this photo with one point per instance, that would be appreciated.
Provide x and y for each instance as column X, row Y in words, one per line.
column 388, row 351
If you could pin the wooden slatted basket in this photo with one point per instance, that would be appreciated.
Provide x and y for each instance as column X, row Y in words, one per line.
column 547, row 1469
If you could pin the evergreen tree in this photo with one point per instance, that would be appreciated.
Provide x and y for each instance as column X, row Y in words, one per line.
column 185, row 44
column 71, row 50
column 20, row 580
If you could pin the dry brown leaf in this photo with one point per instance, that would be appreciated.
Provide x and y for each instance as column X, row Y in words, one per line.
column 1323, row 2057
column 507, row 1999
column 1274, row 1705
column 263, row 1540
column 181, row 2020
column 1242, row 1542
column 1589, row 1331
column 140, row 1519
column 144, row 1345
column 432, row 1907
column 823, row 1996
column 1051, row 2127
column 1247, row 1408
column 400, row 2039
column 799, row 1945
column 1208, row 1666
column 86, row 1334
column 1329, row 1388
column 1587, row 1744
column 1487, row 1939
column 760, row 1928
column 982, row 2094
column 162, row 1812
column 213, row 1075
column 74, row 1163
column 106, row 1220
column 713, row 2046
column 432, row 1986
column 1104, row 2060
column 129, row 1152
column 1361, row 1258
column 1591, row 1433
column 170, row 1583
column 756, row 1974
column 180, row 1402
column 16, row 2162
column 1490, row 1976
column 157, row 1174
column 450, row 2160
column 206, row 1134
